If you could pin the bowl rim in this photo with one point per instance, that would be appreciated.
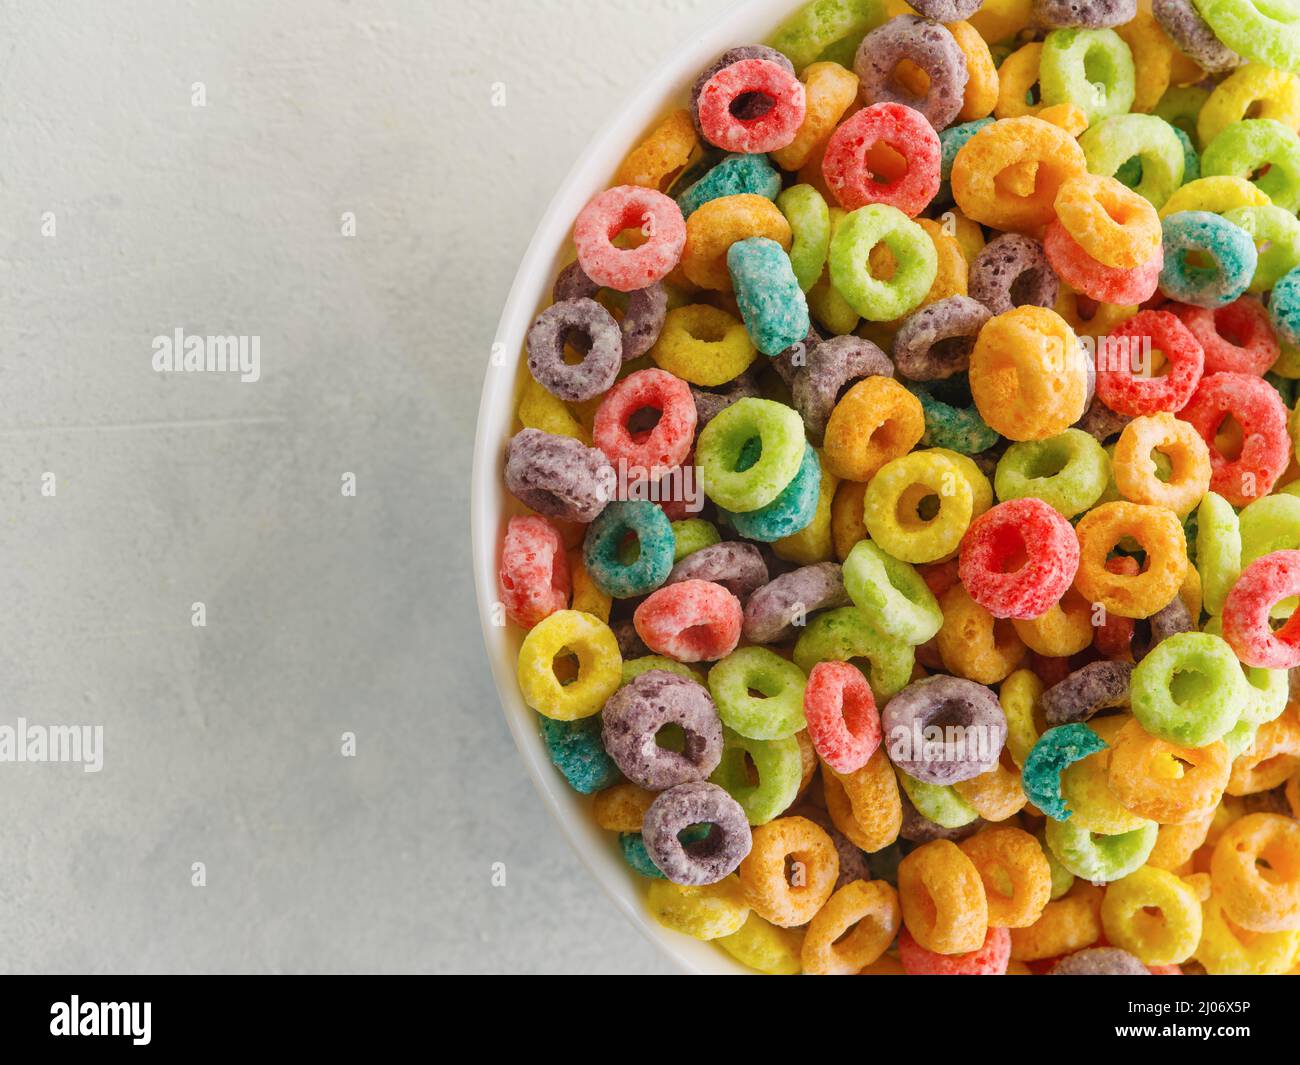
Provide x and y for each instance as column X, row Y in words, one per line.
column 741, row 22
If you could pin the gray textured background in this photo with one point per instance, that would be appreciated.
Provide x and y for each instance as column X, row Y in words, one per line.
column 325, row 614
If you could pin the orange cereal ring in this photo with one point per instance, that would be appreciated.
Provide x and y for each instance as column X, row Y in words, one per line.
column 1069, row 117
column 973, row 643
column 1028, row 375
column 1175, row 844
column 1108, row 220
column 981, row 75
column 997, row 794
column 1271, row 758
column 1017, row 879
column 776, row 897
column 954, row 270
column 1000, row 20
column 848, row 524
column 871, row 910
column 1066, row 629
column 714, row 228
column 621, row 807
column 1135, row 470
column 878, row 420
column 830, row 91
column 1017, row 75
column 1164, row 782
column 1259, row 899
column 1004, row 144
column 1160, row 534
column 1070, row 923
column 1153, row 58
column 871, row 795
column 943, row 900
column 657, row 160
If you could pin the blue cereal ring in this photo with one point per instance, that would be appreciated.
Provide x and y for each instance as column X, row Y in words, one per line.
column 576, row 750
column 768, row 294
column 792, row 510
column 654, row 561
column 1191, row 161
column 635, row 854
column 1056, row 750
column 1231, row 248
column 1284, row 307
column 736, row 175
column 957, row 428
column 951, row 141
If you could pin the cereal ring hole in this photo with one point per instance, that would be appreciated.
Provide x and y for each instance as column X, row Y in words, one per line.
column 751, row 106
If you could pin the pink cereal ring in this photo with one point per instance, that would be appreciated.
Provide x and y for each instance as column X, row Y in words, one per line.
column 990, row 959
column 773, row 128
column 663, row 447
column 691, row 621
column 1124, row 390
column 1019, row 558
column 1266, row 446
column 1253, row 346
column 1105, row 284
column 1266, row 582
column 849, row 176
column 534, row 573
column 843, row 722
column 629, row 207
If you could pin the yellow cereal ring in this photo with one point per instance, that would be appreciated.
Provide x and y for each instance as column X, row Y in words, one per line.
column 1020, row 697
column 621, row 807
column 1153, row 59
column 1066, row 629
column 703, row 345
column 893, row 498
column 587, row 598
column 1253, row 91
column 709, row 911
column 973, row 643
column 764, row 947
column 1218, row 195
column 1017, row 75
column 600, row 666
column 714, row 228
column 538, row 409
column 981, row 92
column 999, row 20
column 1166, row 937
column 1226, row 949
column 1104, row 318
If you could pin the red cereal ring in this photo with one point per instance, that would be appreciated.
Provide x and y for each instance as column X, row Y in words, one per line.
column 534, row 574
column 691, row 621
column 990, row 959
column 629, row 207
column 1246, row 627
column 663, row 447
column 1237, row 338
column 843, row 723
column 850, row 176
column 1019, row 558
column 1266, row 448
column 1121, row 388
column 1105, row 284
column 774, row 127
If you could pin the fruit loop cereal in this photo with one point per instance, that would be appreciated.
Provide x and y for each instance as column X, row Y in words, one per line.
column 906, row 530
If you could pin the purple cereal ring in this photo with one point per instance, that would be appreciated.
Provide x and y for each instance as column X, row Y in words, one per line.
column 947, row 10
column 917, row 828
column 1100, row 422
column 1193, row 36
column 705, row 861
column 1094, row 687
column 796, row 356
column 709, row 403
column 642, row 321
column 1083, row 14
column 1165, row 622
column 1100, row 961
column 557, row 476
column 772, row 610
column 936, row 341
column 597, row 372
column 853, row 863
column 738, row 567
column 630, row 644
column 633, row 716
column 1012, row 271
column 831, row 367
column 942, row 730
column 932, row 48
column 745, row 109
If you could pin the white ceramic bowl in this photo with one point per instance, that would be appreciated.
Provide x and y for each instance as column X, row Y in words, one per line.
column 490, row 504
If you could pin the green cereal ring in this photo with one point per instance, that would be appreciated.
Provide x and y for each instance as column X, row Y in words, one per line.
column 725, row 478
column 694, row 534
column 845, row 635
column 917, row 262
column 1271, row 523
column 1264, row 31
column 827, row 29
column 1239, row 738
column 733, row 176
column 1218, row 550
column 1092, row 69
column 1114, row 141
column 1062, row 878
column 1277, row 241
column 634, row 667
column 1055, row 751
column 1101, row 859
column 891, row 594
column 939, row 803
column 1285, row 386
column 810, row 223
column 775, row 714
column 1069, row 471
column 1189, row 690
column 1245, row 147
column 947, row 425
column 1180, row 106
column 1191, row 161
column 779, row 767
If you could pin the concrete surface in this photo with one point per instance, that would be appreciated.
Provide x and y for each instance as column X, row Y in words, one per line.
column 186, row 164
